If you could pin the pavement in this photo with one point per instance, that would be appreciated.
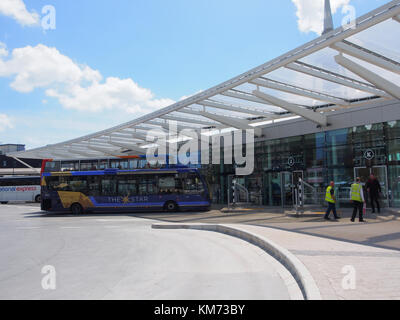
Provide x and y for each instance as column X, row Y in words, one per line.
column 122, row 257
column 333, row 264
column 381, row 231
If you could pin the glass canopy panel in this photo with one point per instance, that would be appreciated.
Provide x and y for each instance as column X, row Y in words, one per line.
column 383, row 39
column 289, row 97
column 247, row 104
column 306, row 81
column 325, row 59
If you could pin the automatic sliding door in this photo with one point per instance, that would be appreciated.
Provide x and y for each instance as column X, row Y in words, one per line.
column 381, row 174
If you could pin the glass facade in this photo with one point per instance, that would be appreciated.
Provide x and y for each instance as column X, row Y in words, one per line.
column 319, row 158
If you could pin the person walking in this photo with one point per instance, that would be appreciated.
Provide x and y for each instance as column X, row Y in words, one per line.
column 358, row 200
column 331, row 199
column 374, row 190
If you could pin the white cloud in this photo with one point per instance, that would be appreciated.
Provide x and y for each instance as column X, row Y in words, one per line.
column 310, row 13
column 16, row 9
column 76, row 86
column 5, row 122
column 3, row 50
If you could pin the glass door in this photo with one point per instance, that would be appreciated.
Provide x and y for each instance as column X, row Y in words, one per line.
column 287, row 189
column 273, row 189
column 297, row 175
column 380, row 173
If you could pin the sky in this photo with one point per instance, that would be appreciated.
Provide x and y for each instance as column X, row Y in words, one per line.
column 70, row 68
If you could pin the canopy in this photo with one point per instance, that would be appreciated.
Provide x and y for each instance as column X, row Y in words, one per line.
column 345, row 68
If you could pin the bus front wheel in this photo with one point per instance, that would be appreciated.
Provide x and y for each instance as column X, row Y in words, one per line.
column 76, row 209
column 171, row 206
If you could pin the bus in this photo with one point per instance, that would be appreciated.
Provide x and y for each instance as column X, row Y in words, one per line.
column 19, row 188
column 113, row 190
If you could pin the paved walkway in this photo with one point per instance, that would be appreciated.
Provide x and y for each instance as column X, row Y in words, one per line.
column 377, row 271
column 381, row 231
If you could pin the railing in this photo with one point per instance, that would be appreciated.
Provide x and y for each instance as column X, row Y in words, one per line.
column 240, row 195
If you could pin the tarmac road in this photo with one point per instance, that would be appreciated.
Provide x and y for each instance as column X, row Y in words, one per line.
column 121, row 257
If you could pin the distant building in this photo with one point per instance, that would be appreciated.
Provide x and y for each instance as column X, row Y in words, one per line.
column 11, row 166
column 4, row 148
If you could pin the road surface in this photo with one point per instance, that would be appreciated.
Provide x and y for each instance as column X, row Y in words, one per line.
column 121, row 257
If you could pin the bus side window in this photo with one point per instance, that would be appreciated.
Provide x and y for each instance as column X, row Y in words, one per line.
column 169, row 184
column 93, row 186
column 109, row 187
column 78, row 184
column 192, row 184
column 127, row 186
column 147, row 185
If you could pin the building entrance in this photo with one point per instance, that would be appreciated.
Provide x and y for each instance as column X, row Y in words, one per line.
column 380, row 173
column 279, row 188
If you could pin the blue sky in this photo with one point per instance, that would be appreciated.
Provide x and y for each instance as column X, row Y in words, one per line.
column 110, row 62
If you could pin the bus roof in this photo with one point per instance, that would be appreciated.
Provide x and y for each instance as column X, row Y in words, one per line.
column 119, row 172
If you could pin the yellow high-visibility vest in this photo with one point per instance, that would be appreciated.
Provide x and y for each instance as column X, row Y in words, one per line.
column 356, row 190
column 328, row 197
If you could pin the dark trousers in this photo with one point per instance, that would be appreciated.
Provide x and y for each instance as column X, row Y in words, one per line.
column 375, row 200
column 331, row 207
column 358, row 206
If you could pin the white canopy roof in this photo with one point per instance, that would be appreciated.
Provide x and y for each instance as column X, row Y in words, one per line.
column 344, row 68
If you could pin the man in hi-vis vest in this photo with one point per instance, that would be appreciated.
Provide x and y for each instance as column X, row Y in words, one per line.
column 357, row 198
column 331, row 199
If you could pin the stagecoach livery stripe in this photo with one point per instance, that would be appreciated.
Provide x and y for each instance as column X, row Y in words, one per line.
column 58, row 174
column 144, row 172
column 69, row 198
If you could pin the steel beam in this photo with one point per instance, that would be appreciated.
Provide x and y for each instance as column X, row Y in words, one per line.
column 370, row 76
column 366, row 55
column 220, row 105
column 271, row 84
column 293, row 108
column 231, row 122
column 190, row 120
column 244, row 96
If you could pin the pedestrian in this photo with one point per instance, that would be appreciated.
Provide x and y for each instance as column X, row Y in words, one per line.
column 357, row 199
column 374, row 190
column 331, row 199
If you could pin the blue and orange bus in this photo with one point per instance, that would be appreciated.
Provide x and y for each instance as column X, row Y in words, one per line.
column 113, row 190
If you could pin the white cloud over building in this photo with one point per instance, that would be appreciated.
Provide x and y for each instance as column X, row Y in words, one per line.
column 310, row 13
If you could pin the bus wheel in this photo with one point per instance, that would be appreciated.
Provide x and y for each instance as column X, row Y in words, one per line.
column 171, row 206
column 38, row 198
column 4, row 202
column 76, row 209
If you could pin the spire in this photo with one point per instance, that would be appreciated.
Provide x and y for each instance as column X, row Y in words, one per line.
column 328, row 21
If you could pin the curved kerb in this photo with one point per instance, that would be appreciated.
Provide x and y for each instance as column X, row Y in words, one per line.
column 296, row 268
